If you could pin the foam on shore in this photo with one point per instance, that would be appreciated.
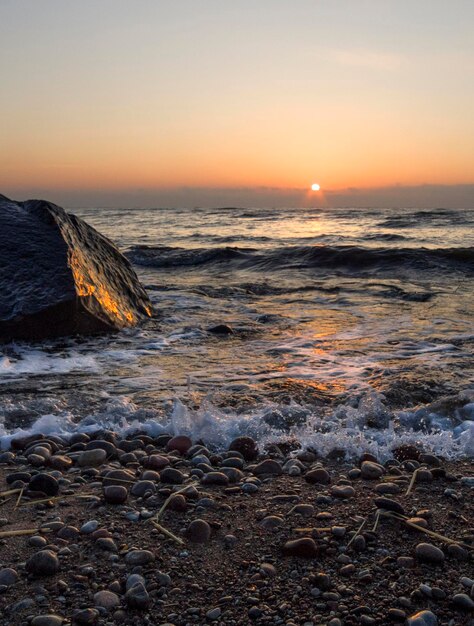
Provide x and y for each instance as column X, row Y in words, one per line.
column 345, row 430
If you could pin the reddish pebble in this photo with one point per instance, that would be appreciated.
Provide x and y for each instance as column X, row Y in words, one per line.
column 304, row 548
column 180, row 444
column 156, row 462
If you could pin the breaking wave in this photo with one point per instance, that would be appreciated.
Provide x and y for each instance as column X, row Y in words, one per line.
column 300, row 257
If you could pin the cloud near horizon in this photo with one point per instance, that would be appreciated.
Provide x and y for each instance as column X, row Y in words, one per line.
column 420, row 196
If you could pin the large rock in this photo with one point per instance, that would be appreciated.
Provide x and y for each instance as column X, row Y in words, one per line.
column 60, row 277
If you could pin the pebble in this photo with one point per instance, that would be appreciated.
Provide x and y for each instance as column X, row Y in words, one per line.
column 106, row 599
column 396, row 615
column 305, row 547
column 318, row 476
column 389, row 505
column 85, row 617
column 246, row 446
column 268, row 466
column 115, row 494
column 92, row 458
column 151, row 475
column 423, row 618
column 271, row 522
column 424, row 476
column 255, row 612
column 214, row 614
column 391, row 488
column 463, row 602
column 103, row 444
column 164, row 580
column 59, row 462
column 157, row 462
column 338, row 531
column 120, row 477
column 142, row 487
column 430, row 459
column 302, row 509
column 69, row 533
column 139, row 557
column 428, row 553
column 359, row 543
column 7, row 457
column 43, row 563
column 45, row 483
column 47, row 620
column 106, row 544
column 250, row 488
column 172, row 476
column 230, row 541
column 180, row 444
column 133, row 579
column 343, row 491
column 457, row 552
column 234, row 462
column 371, row 471
column 36, row 541
column 89, row 527
column 198, row 531
column 215, row 478
column 177, row 503
column 8, row 576
column 137, row 597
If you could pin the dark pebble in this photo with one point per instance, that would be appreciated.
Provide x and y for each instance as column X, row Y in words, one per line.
column 115, row 494
column 172, row 476
column 43, row 563
column 305, row 548
column 389, row 505
column 45, row 483
column 246, row 446
column 198, row 531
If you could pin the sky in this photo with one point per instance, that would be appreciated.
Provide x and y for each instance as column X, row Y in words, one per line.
column 242, row 102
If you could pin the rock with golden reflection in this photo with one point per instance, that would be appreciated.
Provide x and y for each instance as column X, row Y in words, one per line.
column 60, row 277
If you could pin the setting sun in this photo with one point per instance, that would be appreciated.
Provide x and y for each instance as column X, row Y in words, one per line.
column 315, row 187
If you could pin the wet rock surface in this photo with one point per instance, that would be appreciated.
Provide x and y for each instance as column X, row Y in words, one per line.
column 61, row 277
column 169, row 531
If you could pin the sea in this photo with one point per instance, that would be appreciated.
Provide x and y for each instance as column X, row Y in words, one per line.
column 349, row 330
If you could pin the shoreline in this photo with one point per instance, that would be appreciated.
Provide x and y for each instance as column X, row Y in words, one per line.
column 279, row 537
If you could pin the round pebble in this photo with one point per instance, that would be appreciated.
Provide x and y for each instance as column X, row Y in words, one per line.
column 43, row 563
column 428, row 553
column 198, row 531
column 45, row 483
column 106, row 599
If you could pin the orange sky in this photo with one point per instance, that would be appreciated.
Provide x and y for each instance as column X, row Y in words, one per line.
column 274, row 94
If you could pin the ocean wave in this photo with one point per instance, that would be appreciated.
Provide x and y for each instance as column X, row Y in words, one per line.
column 167, row 256
column 385, row 237
column 300, row 257
column 348, row 429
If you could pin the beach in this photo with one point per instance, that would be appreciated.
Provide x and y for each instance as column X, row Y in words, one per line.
column 288, row 440
column 164, row 531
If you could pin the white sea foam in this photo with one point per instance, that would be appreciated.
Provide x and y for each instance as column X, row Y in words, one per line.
column 21, row 362
column 345, row 429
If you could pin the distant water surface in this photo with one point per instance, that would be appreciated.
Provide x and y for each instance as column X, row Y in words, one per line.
column 350, row 327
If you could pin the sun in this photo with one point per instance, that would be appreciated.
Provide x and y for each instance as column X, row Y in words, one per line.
column 315, row 187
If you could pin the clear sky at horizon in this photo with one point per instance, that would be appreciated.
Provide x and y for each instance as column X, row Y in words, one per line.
column 211, row 101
